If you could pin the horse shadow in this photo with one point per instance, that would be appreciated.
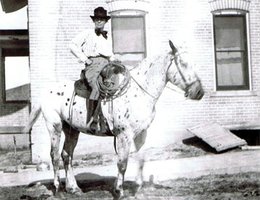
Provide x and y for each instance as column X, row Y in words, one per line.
column 93, row 185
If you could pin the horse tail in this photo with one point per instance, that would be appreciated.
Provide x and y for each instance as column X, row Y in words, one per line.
column 36, row 111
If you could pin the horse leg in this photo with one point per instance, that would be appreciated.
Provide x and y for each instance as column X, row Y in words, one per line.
column 71, row 139
column 55, row 134
column 139, row 142
column 123, row 146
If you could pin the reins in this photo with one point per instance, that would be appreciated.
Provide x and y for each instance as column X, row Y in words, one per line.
column 144, row 90
column 141, row 87
column 71, row 110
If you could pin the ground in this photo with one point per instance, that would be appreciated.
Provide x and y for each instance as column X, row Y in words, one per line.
column 214, row 187
column 211, row 187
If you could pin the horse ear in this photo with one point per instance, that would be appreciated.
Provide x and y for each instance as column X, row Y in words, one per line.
column 174, row 49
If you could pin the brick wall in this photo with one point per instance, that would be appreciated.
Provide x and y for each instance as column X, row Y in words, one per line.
column 191, row 23
column 53, row 24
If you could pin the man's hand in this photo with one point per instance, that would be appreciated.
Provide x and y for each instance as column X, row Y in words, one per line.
column 88, row 61
column 115, row 58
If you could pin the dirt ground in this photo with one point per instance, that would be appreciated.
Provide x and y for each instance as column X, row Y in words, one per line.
column 212, row 187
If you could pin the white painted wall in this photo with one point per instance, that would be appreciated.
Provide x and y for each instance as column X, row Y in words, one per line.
column 14, row 20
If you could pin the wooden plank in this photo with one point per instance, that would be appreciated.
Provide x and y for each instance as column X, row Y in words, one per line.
column 216, row 136
column 250, row 147
column 11, row 129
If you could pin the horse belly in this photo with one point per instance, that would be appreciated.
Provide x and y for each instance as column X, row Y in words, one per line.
column 74, row 112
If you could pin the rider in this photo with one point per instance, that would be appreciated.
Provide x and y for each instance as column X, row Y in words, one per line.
column 91, row 47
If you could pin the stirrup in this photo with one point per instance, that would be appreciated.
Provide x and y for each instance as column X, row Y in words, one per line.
column 90, row 123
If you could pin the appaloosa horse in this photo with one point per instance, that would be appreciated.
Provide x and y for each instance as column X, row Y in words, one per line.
column 128, row 119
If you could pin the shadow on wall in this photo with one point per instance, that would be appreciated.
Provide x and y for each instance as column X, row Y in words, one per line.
column 20, row 93
column 16, row 99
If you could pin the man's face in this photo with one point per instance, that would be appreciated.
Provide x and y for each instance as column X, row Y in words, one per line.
column 100, row 23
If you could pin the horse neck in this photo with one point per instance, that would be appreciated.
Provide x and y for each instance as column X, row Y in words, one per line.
column 151, row 75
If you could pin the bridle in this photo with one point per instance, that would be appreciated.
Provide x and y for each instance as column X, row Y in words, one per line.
column 186, row 83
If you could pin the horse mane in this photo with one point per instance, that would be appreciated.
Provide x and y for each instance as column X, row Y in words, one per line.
column 152, row 63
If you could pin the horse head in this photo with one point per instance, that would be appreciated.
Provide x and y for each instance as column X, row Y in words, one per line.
column 181, row 74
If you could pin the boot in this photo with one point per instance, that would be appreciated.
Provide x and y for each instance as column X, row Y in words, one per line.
column 92, row 121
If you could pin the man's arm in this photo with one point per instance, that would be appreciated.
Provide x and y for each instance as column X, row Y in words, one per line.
column 76, row 48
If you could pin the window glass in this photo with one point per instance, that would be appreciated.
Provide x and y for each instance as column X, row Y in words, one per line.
column 231, row 53
column 229, row 33
column 128, row 34
column 230, row 69
column 16, row 78
column 129, row 38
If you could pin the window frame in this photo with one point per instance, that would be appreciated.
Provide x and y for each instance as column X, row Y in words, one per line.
column 246, row 64
column 130, row 14
column 12, row 43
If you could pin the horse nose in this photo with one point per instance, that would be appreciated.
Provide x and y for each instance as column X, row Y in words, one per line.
column 186, row 94
column 200, row 94
column 195, row 93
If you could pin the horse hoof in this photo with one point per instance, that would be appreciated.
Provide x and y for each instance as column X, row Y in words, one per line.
column 138, row 188
column 138, row 192
column 59, row 195
column 118, row 194
column 75, row 191
column 78, row 193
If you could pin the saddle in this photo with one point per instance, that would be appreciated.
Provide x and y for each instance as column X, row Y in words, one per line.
column 82, row 89
column 112, row 82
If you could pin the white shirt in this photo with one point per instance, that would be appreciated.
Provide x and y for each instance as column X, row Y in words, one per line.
column 88, row 44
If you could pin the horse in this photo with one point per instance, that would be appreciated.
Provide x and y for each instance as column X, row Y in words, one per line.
column 128, row 119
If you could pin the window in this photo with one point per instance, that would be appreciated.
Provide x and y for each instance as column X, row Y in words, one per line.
column 231, row 56
column 15, row 65
column 129, row 38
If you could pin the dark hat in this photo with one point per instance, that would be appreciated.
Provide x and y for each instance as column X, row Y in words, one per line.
column 100, row 12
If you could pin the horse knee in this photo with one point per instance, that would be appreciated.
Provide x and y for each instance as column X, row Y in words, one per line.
column 65, row 157
column 122, row 166
column 57, row 127
column 54, row 155
column 141, row 164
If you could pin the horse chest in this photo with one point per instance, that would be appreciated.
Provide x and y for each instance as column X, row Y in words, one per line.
column 136, row 118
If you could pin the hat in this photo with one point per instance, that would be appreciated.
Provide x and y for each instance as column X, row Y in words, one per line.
column 100, row 12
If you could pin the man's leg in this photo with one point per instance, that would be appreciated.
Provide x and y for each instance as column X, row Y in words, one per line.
column 91, row 75
column 92, row 112
column 91, row 120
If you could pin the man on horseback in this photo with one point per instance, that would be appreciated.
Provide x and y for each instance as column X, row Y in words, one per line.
column 94, row 49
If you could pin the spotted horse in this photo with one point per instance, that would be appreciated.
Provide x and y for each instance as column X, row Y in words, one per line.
column 131, row 114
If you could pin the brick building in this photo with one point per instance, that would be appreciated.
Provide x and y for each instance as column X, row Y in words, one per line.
column 221, row 36
column 14, row 80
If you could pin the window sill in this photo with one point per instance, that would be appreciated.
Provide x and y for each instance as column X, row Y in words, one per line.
column 233, row 93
